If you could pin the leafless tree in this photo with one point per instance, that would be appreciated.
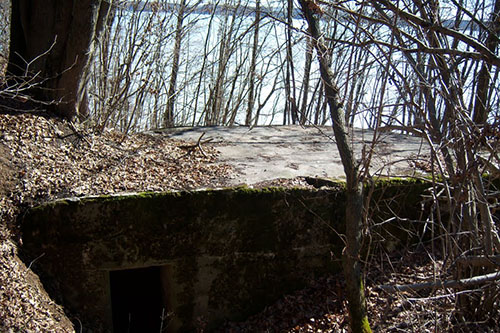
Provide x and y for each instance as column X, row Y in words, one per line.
column 448, row 65
column 253, row 63
column 354, row 192
column 168, row 117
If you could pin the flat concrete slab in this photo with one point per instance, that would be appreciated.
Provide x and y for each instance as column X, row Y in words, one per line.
column 264, row 153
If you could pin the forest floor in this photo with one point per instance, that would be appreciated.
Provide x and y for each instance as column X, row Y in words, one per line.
column 42, row 159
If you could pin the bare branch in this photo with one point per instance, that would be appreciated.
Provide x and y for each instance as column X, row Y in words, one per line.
column 481, row 279
column 411, row 18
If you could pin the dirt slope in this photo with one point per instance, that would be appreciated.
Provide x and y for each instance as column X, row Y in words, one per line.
column 42, row 159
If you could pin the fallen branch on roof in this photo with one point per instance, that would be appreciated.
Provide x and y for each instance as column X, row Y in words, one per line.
column 192, row 148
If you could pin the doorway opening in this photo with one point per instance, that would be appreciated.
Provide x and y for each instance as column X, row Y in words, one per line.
column 138, row 300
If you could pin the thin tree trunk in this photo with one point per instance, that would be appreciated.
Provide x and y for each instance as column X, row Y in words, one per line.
column 253, row 61
column 204, row 64
column 226, row 49
column 290, row 102
column 484, row 77
column 168, row 117
column 305, row 82
column 354, row 208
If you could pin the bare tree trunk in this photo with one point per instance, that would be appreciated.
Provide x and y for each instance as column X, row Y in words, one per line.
column 216, row 98
column 203, row 66
column 253, row 60
column 50, row 44
column 305, row 83
column 354, row 208
column 290, row 102
column 484, row 77
column 168, row 117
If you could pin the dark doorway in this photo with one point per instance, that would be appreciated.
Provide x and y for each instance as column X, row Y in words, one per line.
column 137, row 300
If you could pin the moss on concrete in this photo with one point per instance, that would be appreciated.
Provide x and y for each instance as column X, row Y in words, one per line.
column 231, row 251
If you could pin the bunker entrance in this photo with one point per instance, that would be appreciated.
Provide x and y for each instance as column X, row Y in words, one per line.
column 138, row 300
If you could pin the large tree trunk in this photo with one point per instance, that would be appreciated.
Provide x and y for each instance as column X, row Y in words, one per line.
column 354, row 208
column 50, row 46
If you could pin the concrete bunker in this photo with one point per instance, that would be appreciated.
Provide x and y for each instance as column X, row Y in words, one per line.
column 207, row 255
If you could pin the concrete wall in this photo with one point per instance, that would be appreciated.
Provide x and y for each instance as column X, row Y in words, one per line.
column 223, row 254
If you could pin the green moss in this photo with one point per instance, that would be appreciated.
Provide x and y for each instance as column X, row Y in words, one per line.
column 396, row 181
column 365, row 325
column 263, row 190
column 379, row 181
column 258, row 238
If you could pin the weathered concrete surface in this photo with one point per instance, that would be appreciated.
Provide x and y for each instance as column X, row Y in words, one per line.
column 227, row 253
column 224, row 254
column 266, row 153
